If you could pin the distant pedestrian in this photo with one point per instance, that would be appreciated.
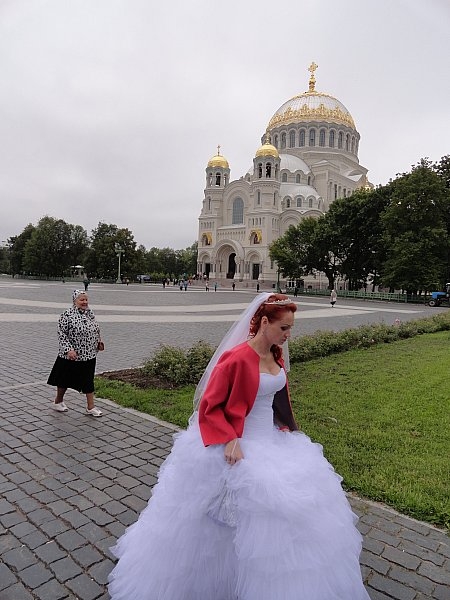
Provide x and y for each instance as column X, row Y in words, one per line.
column 257, row 287
column 86, row 283
column 185, row 284
column 233, row 285
column 207, row 286
column 296, row 290
column 333, row 298
column 215, row 286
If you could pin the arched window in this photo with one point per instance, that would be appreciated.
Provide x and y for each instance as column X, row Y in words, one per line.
column 283, row 140
column 310, row 202
column 258, row 200
column 292, row 139
column 301, row 137
column 297, row 178
column 268, row 169
column 284, row 178
column 287, row 202
column 238, row 211
column 299, row 202
column 259, row 170
column 312, row 137
column 275, row 141
column 322, row 137
column 331, row 140
column 209, row 203
column 309, row 179
column 347, row 142
column 340, row 140
column 353, row 144
column 218, row 179
column 210, row 179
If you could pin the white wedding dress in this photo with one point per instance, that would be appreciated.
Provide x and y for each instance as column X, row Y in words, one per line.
column 275, row 526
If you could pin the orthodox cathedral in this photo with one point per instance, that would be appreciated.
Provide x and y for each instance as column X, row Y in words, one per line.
column 308, row 158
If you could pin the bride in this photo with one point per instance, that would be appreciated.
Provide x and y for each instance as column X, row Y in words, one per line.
column 246, row 507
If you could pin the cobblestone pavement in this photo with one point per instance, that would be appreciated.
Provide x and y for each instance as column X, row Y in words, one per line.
column 71, row 484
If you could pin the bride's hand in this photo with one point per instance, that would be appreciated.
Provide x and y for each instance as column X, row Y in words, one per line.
column 233, row 452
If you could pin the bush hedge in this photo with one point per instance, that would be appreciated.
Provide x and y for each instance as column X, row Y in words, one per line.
column 182, row 367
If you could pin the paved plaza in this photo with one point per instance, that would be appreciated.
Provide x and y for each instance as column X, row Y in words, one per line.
column 71, row 484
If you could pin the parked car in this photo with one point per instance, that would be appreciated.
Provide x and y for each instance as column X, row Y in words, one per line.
column 143, row 278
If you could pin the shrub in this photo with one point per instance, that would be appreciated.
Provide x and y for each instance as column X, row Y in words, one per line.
column 197, row 359
column 182, row 367
column 179, row 366
column 168, row 364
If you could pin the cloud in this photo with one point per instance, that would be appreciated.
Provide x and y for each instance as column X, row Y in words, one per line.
column 111, row 109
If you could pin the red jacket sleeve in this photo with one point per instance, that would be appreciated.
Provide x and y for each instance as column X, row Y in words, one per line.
column 229, row 395
column 212, row 409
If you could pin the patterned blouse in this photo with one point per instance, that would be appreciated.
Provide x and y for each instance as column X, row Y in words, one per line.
column 78, row 330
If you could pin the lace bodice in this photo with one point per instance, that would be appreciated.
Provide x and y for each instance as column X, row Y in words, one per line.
column 260, row 419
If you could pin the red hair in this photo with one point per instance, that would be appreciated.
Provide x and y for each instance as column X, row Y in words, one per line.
column 273, row 312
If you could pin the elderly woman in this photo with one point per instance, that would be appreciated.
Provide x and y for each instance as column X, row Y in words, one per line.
column 79, row 341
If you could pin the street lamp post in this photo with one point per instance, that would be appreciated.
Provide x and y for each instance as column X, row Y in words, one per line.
column 119, row 251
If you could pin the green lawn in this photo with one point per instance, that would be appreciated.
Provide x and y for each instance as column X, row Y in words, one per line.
column 382, row 415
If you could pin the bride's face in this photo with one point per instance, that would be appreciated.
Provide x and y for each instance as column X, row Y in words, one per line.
column 278, row 331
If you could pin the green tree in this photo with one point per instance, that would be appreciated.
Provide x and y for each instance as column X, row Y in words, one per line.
column 356, row 222
column 140, row 263
column 79, row 245
column 187, row 260
column 48, row 251
column 415, row 230
column 102, row 258
column 442, row 168
column 17, row 249
column 154, row 261
column 306, row 248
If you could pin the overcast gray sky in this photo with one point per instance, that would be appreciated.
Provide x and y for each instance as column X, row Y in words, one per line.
column 111, row 109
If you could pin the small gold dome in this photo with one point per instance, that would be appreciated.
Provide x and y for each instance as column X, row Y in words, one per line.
column 218, row 161
column 267, row 150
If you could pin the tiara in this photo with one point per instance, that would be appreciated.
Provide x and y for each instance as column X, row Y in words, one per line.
column 280, row 302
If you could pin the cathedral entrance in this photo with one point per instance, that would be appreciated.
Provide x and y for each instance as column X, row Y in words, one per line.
column 255, row 270
column 231, row 271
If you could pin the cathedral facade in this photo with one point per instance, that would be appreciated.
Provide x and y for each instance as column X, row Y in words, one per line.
column 308, row 158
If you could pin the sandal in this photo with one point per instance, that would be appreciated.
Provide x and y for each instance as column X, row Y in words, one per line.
column 94, row 412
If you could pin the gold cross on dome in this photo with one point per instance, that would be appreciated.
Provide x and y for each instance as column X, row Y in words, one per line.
column 312, row 79
column 312, row 68
column 218, row 150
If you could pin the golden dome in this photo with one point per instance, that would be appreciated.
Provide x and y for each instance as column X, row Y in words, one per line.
column 312, row 106
column 267, row 149
column 218, row 161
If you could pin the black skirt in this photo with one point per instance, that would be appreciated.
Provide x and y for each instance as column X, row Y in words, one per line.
column 75, row 374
